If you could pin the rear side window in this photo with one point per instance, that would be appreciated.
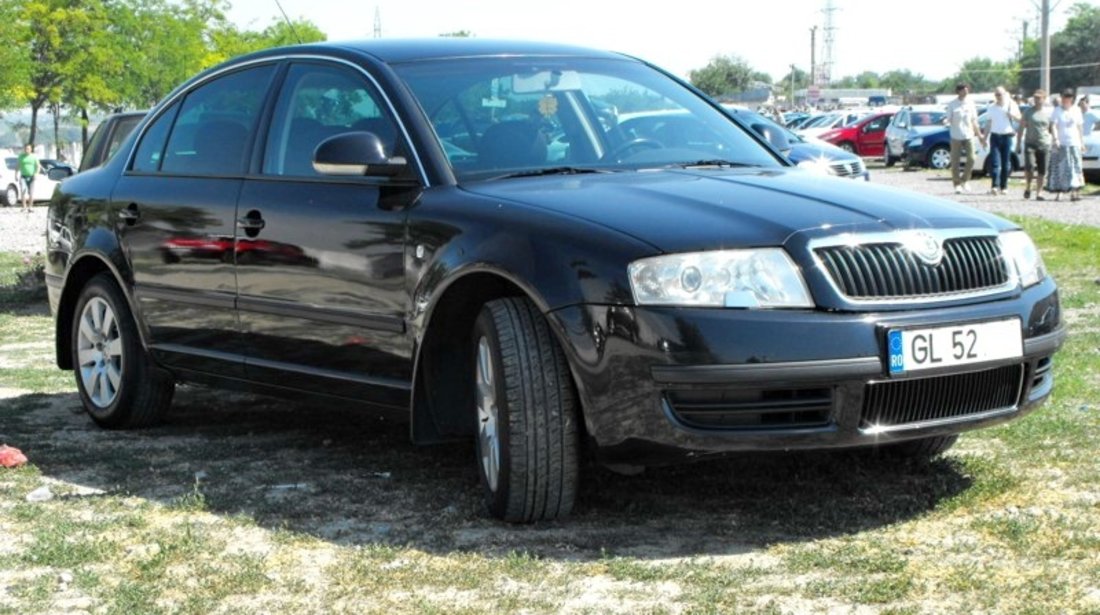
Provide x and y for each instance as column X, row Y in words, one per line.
column 151, row 150
column 215, row 125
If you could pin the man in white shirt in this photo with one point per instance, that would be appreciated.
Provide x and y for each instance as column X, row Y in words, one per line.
column 962, row 116
column 1089, row 116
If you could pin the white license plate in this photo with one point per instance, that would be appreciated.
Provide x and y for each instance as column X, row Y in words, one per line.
column 914, row 350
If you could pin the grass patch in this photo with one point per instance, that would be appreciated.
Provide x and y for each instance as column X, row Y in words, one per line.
column 1006, row 522
column 22, row 279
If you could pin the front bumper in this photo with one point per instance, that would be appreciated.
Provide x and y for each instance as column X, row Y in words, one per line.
column 785, row 379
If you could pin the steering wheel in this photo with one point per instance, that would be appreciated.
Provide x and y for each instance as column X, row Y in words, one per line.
column 616, row 154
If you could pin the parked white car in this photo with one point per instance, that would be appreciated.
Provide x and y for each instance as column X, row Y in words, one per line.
column 13, row 190
column 1091, row 157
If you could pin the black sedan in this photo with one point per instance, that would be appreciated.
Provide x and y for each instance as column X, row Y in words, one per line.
column 461, row 232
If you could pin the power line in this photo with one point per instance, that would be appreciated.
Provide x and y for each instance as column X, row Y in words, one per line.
column 1027, row 68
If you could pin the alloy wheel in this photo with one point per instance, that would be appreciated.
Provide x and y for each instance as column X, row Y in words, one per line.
column 99, row 352
column 488, row 436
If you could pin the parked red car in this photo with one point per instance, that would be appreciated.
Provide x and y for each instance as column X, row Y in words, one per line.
column 867, row 137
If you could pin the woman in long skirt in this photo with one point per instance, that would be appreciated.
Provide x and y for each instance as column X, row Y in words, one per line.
column 1066, row 174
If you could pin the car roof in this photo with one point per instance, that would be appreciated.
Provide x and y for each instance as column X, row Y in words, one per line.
column 395, row 51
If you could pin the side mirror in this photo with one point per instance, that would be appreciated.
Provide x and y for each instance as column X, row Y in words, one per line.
column 59, row 173
column 776, row 137
column 356, row 153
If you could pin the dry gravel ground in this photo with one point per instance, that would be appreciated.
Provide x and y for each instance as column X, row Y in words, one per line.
column 25, row 233
column 248, row 504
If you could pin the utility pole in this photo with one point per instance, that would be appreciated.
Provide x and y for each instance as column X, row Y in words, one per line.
column 790, row 101
column 1044, row 54
column 813, row 55
column 377, row 23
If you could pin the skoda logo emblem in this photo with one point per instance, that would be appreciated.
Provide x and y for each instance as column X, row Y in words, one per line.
column 926, row 247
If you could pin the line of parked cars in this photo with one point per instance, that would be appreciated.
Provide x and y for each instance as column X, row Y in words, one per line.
column 915, row 135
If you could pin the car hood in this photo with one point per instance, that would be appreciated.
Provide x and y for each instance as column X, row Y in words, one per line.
column 706, row 209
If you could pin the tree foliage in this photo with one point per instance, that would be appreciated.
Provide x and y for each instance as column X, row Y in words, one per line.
column 984, row 74
column 723, row 75
column 1075, row 44
column 84, row 55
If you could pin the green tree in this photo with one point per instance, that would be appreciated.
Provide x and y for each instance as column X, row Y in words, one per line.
column 905, row 81
column 1076, row 43
column 723, row 75
column 984, row 74
column 15, row 63
column 801, row 79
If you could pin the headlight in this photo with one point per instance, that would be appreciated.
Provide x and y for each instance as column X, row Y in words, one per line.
column 821, row 166
column 1021, row 252
column 919, row 141
column 759, row 278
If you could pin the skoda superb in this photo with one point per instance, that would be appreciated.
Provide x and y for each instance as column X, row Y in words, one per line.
column 547, row 249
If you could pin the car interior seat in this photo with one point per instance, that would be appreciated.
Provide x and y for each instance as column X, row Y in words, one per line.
column 511, row 144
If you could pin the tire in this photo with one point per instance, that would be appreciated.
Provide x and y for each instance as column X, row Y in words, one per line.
column 848, row 147
column 10, row 196
column 118, row 383
column 526, row 411
column 939, row 158
column 921, row 449
column 888, row 159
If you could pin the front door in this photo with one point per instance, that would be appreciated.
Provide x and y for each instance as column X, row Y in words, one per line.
column 320, row 259
column 872, row 137
column 176, row 208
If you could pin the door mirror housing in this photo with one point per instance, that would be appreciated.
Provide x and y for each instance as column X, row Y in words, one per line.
column 776, row 137
column 356, row 153
column 59, row 173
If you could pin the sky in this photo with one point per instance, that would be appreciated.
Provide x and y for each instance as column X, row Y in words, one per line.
column 929, row 37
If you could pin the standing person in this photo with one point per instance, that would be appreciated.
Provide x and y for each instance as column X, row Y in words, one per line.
column 1035, row 140
column 1089, row 116
column 962, row 116
column 28, row 169
column 1001, row 113
column 1065, row 161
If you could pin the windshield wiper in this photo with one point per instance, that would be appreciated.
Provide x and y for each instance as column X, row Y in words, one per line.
column 714, row 162
column 564, row 170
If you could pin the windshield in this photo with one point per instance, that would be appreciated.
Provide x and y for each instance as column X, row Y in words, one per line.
column 821, row 121
column 499, row 117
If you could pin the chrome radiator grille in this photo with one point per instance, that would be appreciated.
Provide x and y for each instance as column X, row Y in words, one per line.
column 891, row 271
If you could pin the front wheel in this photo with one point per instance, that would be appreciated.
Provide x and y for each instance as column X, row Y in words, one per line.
column 939, row 158
column 848, row 147
column 118, row 384
column 527, row 434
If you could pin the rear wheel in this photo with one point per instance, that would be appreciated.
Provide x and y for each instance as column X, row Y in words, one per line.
column 11, row 195
column 118, row 384
column 527, row 435
column 888, row 159
column 939, row 158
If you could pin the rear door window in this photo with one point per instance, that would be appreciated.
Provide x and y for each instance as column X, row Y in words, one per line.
column 216, row 123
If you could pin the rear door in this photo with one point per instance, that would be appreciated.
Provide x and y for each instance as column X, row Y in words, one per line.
column 321, row 266
column 176, row 209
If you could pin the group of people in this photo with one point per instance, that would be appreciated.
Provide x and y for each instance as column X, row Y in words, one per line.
column 1051, row 141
